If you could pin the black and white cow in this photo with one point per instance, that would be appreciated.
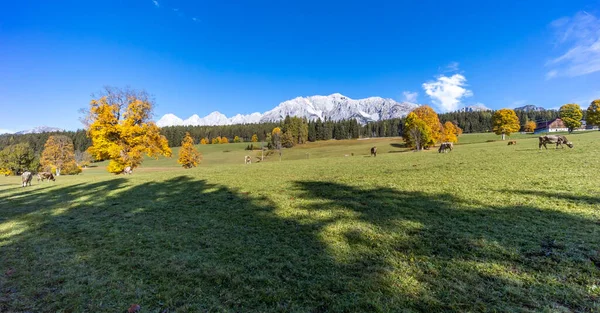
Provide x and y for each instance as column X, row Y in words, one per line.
column 45, row 175
column 374, row 151
column 558, row 139
column 445, row 147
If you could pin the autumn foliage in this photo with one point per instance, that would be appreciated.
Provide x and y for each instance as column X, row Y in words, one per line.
column 505, row 122
column 530, row 126
column 224, row 140
column 571, row 115
column 254, row 138
column 188, row 155
column 417, row 134
column 59, row 155
column 450, row 132
column 431, row 119
column 237, row 139
column 204, row 141
column 593, row 113
column 123, row 132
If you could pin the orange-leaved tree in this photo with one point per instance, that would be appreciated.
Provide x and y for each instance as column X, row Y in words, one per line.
column 505, row 122
column 237, row 139
column 216, row 140
column 188, row 155
column 224, row 140
column 254, row 138
column 121, row 131
column 450, row 132
column 530, row 126
column 204, row 141
column 58, row 154
column 431, row 119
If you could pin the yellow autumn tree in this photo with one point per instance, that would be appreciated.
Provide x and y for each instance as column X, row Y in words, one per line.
column 188, row 155
column 203, row 141
column 505, row 122
column 254, row 138
column 417, row 133
column 122, row 131
column 530, row 126
column 593, row 113
column 426, row 114
column 236, row 139
column 216, row 140
column 224, row 140
column 450, row 132
column 59, row 154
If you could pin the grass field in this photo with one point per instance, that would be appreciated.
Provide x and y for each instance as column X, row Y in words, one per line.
column 488, row 227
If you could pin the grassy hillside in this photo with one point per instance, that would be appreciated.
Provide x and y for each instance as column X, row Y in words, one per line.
column 488, row 227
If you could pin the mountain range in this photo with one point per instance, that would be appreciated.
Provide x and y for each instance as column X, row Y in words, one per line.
column 39, row 130
column 335, row 107
column 529, row 107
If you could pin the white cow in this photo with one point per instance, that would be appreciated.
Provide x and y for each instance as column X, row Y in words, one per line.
column 26, row 178
column 128, row 170
column 247, row 159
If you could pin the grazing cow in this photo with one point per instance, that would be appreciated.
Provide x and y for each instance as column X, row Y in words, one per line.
column 247, row 159
column 512, row 142
column 558, row 139
column 374, row 151
column 26, row 178
column 128, row 170
column 445, row 146
column 45, row 175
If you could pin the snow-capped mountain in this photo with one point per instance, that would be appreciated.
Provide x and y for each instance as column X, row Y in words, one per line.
column 474, row 108
column 336, row 107
column 39, row 130
column 529, row 107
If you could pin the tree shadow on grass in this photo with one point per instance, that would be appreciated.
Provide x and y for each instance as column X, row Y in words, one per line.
column 557, row 195
column 188, row 245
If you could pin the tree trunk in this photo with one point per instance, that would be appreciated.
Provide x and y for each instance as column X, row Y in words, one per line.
column 58, row 171
column 503, row 136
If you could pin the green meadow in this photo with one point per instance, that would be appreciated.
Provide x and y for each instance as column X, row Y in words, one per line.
column 487, row 227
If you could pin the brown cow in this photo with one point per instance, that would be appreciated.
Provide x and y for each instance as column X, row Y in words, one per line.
column 512, row 142
column 45, row 175
column 558, row 139
column 374, row 151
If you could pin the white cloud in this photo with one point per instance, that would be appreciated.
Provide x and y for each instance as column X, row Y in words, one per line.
column 156, row 4
column 410, row 96
column 551, row 74
column 452, row 67
column 580, row 35
column 447, row 92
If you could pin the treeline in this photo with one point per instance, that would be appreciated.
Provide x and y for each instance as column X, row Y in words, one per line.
column 481, row 121
column 37, row 141
column 470, row 122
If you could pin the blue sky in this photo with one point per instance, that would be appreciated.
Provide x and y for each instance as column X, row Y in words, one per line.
column 248, row 56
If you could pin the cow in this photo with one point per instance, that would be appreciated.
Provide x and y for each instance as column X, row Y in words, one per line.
column 445, row 146
column 374, row 151
column 558, row 139
column 512, row 142
column 45, row 175
column 128, row 170
column 247, row 159
column 26, row 178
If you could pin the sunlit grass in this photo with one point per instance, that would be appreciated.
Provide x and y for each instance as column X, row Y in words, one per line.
column 488, row 227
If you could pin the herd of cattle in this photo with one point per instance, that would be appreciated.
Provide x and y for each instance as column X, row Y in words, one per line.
column 27, row 176
column 445, row 147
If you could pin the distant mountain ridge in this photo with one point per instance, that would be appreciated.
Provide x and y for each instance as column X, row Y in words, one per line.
column 335, row 107
column 39, row 130
column 474, row 108
column 529, row 108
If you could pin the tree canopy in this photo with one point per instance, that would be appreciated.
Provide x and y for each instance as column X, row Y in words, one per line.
column 593, row 113
column 123, row 135
column 58, row 154
column 571, row 115
column 189, row 156
column 431, row 119
column 505, row 122
column 417, row 134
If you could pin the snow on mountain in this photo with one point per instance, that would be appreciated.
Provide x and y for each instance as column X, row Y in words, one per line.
column 39, row 130
column 474, row 108
column 529, row 107
column 336, row 107
column 169, row 120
